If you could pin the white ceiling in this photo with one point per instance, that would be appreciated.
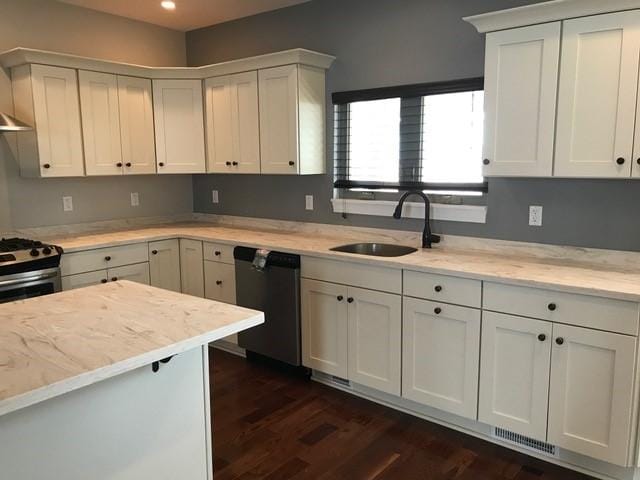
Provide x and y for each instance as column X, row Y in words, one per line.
column 189, row 14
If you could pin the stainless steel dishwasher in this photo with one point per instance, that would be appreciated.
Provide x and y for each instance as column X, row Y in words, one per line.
column 273, row 288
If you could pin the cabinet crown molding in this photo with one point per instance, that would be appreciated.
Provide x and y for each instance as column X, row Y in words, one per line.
column 546, row 12
column 21, row 56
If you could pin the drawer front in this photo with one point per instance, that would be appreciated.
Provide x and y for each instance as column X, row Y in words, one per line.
column 220, row 282
column 90, row 260
column 582, row 310
column 138, row 273
column 216, row 252
column 81, row 280
column 442, row 288
column 354, row 274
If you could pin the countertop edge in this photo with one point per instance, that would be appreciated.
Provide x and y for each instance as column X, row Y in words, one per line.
column 48, row 392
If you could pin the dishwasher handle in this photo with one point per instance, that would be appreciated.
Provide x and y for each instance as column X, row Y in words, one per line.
column 274, row 259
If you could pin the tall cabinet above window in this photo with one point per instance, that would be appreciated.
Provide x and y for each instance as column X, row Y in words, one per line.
column 561, row 84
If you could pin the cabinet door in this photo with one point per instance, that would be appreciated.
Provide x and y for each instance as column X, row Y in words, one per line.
column 279, row 119
column 521, row 78
column 441, row 356
column 164, row 264
column 191, row 267
column 81, row 280
column 597, row 95
column 324, row 327
column 179, row 125
column 138, row 273
column 514, row 373
column 100, row 123
column 136, row 125
column 375, row 339
column 57, row 116
column 233, row 137
column 220, row 282
column 590, row 402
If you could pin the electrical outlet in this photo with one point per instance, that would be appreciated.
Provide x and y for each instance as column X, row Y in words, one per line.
column 308, row 202
column 535, row 216
column 67, row 204
column 214, row 196
column 135, row 199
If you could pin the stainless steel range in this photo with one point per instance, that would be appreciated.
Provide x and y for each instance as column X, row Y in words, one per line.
column 28, row 268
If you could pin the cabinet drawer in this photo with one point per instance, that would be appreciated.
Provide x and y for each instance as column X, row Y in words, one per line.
column 217, row 252
column 81, row 280
column 138, row 273
column 90, row 260
column 354, row 274
column 442, row 288
column 573, row 309
column 220, row 282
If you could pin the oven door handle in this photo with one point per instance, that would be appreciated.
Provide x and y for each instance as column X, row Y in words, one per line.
column 4, row 284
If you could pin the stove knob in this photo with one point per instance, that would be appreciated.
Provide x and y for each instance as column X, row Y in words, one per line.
column 46, row 251
column 34, row 252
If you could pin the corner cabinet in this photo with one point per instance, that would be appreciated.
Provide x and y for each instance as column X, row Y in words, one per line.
column 292, row 120
column 179, row 123
column 47, row 98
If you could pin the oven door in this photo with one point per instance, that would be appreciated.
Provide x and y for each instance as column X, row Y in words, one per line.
column 29, row 284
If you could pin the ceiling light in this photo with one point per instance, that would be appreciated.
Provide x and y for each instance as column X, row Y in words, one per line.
column 168, row 5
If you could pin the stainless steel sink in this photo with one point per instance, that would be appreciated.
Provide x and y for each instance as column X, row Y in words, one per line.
column 375, row 249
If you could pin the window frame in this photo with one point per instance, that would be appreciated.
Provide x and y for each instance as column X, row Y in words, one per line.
column 341, row 162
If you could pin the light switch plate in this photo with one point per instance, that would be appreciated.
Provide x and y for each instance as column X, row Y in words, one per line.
column 535, row 216
column 135, row 199
column 308, row 202
column 67, row 204
column 214, row 196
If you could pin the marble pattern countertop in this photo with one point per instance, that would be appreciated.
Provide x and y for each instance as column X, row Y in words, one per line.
column 54, row 344
column 555, row 271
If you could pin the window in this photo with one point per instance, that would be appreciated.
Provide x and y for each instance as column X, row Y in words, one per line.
column 425, row 137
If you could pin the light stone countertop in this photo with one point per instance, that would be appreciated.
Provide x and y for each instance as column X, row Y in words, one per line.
column 504, row 266
column 54, row 344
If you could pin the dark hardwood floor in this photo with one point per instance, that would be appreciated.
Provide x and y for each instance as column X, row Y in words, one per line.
column 271, row 425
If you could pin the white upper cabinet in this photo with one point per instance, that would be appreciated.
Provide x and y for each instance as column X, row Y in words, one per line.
column 292, row 120
column 100, row 123
column 136, row 125
column 521, row 77
column 233, row 132
column 47, row 98
column 179, row 124
column 597, row 95
column 591, row 396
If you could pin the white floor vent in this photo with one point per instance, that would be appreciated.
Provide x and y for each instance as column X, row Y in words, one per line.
column 525, row 442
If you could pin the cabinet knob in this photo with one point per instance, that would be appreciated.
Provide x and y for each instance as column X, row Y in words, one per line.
column 161, row 164
column 437, row 310
column 218, row 282
column 620, row 161
column 350, row 299
column 107, row 258
column 291, row 163
column 46, row 165
column 128, row 164
column 154, row 252
column 559, row 340
column 104, row 280
column 340, row 298
column 552, row 306
column 235, row 164
column 228, row 164
column 217, row 253
column 486, row 161
column 114, row 279
column 638, row 161
column 542, row 337
column 438, row 288
column 119, row 164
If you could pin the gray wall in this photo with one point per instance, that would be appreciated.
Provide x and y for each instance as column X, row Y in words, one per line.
column 50, row 25
column 392, row 42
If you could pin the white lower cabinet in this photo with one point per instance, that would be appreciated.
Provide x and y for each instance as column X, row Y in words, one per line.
column 441, row 356
column 81, row 280
column 375, row 336
column 591, row 396
column 324, row 327
column 514, row 373
column 164, row 264
column 220, row 282
column 138, row 273
column 191, row 267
